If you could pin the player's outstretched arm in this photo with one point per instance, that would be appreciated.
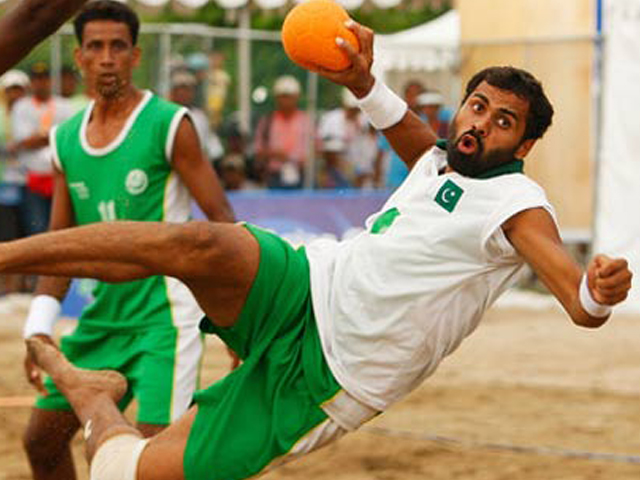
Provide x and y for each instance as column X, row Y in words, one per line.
column 409, row 136
column 534, row 235
column 27, row 24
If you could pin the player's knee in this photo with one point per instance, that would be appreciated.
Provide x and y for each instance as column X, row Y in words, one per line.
column 201, row 244
column 118, row 458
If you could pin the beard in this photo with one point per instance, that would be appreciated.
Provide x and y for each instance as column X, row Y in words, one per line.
column 113, row 88
column 476, row 163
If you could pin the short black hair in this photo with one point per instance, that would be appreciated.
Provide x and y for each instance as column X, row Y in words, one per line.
column 524, row 85
column 107, row 10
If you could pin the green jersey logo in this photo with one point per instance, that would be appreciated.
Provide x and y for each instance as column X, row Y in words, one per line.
column 137, row 182
column 449, row 195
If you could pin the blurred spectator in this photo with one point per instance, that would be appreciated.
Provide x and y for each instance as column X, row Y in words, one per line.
column 395, row 169
column 430, row 108
column 198, row 63
column 14, row 85
column 348, row 146
column 411, row 91
column 183, row 92
column 31, row 119
column 282, row 138
column 218, row 86
column 232, row 172
column 69, row 83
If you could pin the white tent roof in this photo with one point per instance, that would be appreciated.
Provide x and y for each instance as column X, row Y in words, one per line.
column 434, row 45
column 265, row 4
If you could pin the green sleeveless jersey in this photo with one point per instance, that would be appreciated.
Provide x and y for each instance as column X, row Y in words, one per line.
column 129, row 179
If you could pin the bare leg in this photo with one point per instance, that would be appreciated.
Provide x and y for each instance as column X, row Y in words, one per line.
column 163, row 458
column 47, row 444
column 148, row 430
column 92, row 394
column 217, row 261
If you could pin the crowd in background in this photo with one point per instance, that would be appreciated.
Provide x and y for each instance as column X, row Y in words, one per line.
column 348, row 152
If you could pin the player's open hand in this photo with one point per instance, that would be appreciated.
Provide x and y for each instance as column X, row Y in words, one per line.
column 609, row 279
column 358, row 77
column 32, row 371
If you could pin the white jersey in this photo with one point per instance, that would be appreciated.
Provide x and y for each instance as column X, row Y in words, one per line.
column 392, row 302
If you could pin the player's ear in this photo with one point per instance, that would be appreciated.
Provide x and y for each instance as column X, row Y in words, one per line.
column 525, row 147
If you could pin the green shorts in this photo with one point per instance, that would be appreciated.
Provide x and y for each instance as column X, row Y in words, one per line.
column 161, row 367
column 259, row 411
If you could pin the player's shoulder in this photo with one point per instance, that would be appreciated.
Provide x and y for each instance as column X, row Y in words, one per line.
column 159, row 105
column 520, row 181
column 509, row 189
column 160, row 113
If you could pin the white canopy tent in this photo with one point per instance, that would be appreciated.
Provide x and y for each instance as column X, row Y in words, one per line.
column 266, row 4
column 269, row 4
column 617, row 227
column 430, row 52
column 434, row 45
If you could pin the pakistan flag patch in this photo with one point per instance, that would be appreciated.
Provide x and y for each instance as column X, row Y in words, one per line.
column 449, row 195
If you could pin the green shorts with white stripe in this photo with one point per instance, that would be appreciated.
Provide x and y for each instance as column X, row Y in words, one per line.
column 269, row 409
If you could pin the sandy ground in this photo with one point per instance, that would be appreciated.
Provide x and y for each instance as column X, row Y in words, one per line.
column 527, row 396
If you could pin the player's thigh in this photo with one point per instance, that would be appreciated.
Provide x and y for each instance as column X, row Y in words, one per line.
column 49, row 430
column 149, row 430
column 163, row 457
column 231, row 269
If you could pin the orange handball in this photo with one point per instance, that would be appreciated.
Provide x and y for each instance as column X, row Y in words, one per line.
column 309, row 35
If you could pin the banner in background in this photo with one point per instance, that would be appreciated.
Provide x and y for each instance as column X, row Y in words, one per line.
column 298, row 216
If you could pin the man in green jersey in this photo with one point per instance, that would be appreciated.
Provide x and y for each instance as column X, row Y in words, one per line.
column 129, row 155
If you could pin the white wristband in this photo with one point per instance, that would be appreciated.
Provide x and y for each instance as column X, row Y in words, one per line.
column 383, row 107
column 589, row 305
column 43, row 315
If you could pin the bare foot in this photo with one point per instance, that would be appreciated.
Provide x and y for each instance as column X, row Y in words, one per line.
column 71, row 379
